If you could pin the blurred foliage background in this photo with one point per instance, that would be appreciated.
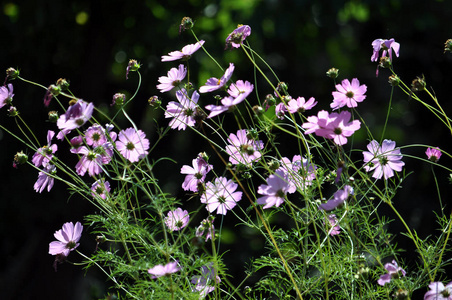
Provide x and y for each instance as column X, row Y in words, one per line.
column 90, row 43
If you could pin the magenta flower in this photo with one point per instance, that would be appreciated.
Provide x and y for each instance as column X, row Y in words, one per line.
column 332, row 126
column 439, row 292
column 75, row 116
column 214, row 84
column 196, row 174
column 100, row 188
column 185, row 53
column 174, row 78
column 383, row 160
column 183, row 113
column 393, row 272
column 274, row 191
column 6, row 95
column 236, row 38
column 433, row 154
column 132, row 144
column 45, row 154
column 163, row 270
column 205, row 283
column 300, row 105
column 221, row 195
column 348, row 94
column 300, row 172
column 45, row 179
column 338, row 198
column 93, row 159
column 67, row 237
column 334, row 225
column 206, row 227
column 243, row 149
column 177, row 219
column 387, row 46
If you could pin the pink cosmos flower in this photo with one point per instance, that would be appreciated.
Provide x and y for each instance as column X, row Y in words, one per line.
column 221, row 195
column 439, row 292
column 95, row 135
column 75, row 116
column 132, row 144
column 332, row 126
column 383, row 160
column 243, row 149
column 335, row 229
column 93, row 159
column 196, row 174
column 338, row 198
column 206, row 227
column 393, row 272
column 100, row 188
column 182, row 112
column 205, row 283
column 237, row 93
column 387, row 46
column 177, row 219
column 45, row 179
column 300, row 105
column 185, row 53
column 280, row 110
column 163, row 270
column 214, row 84
column 45, row 154
column 174, row 78
column 236, row 38
column 67, row 237
column 348, row 94
column 300, row 172
column 433, row 154
column 274, row 191
column 6, row 95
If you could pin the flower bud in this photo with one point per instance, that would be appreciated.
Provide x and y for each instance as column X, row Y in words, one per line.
column 252, row 135
column 270, row 100
column 394, row 80
column 186, row 24
column 448, row 46
column 332, row 73
column 258, row 110
column 20, row 158
column 133, row 66
column 418, row 84
column 63, row 84
column 118, row 99
column 12, row 111
column 54, row 89
column 76, row 141
column 281, row 89
column 199, row 116
column 274, row 165
column 154, row 101
column 53, row 116
column 12, row 73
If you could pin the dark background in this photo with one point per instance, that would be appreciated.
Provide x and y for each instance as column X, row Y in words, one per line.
column 90, row 43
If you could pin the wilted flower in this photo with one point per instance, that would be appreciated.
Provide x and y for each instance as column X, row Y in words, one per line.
column 205, row 283
column 45, row 179
column 393, row 272
column 333, row 225
column 132, row 66
column 67, row 237
column 433, row 154
column 280, row 110
column 236, row 38
column 387, row 46
column 100, row 188
column 206, row 227
column 76, row 115
column 163, row 270
column 338, row 198
column 186, row 23
column 45, row 154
